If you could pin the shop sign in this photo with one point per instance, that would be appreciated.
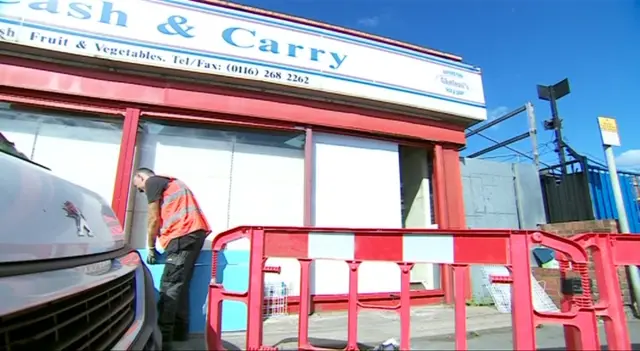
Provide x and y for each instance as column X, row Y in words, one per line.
column 191, row 36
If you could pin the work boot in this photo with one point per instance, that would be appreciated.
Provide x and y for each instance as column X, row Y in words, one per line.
column 180, row 333
column 181, row 330
column 167, row 340
column 167, row 346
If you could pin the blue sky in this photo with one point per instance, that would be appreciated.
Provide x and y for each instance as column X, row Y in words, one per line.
column 519, row 44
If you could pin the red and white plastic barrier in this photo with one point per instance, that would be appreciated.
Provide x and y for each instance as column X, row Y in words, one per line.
column 406, row 247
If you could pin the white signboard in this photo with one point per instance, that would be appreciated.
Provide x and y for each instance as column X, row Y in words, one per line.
column 609, row 131
column 187, row 35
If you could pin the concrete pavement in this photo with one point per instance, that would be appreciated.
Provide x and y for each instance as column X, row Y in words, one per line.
column 548, row 338
column 432, row 328
column 329, row 330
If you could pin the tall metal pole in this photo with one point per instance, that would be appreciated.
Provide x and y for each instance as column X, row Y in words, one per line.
column 552, row 93
column 557, row 125
column 633, row 272
column 533, row 133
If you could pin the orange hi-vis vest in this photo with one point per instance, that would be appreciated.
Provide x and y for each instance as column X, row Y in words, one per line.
column 180, row 213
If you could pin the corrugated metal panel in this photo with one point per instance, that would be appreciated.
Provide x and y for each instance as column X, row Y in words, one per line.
column 489, row 194
column 602, row 194
column 529, row 196
column 567, row 199
column 490, row 191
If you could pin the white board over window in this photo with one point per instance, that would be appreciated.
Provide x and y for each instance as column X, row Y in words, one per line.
column 356, row 184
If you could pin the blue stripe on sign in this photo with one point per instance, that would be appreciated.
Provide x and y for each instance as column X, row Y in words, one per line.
column 319, row 31
column 428, row 248
column 198, row 53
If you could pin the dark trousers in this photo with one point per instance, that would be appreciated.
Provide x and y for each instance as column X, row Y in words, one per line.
column 173, row 304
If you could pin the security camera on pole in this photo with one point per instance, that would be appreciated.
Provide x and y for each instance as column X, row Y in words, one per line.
column 610, row 138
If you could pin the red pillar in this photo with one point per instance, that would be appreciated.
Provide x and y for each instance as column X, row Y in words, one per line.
column 125, row 163
column 453, row 188
column 449, row 204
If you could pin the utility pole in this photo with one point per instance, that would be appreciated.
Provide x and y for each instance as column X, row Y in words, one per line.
column 533, row 132
column 610, row 138
column 553, row 93
column 557, row 126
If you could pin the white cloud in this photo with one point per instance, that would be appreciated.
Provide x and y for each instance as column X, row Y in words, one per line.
column 369, row 21
column 629, row 159
column 495, row 113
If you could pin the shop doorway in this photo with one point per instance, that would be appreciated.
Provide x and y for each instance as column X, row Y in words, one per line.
column 417, row 207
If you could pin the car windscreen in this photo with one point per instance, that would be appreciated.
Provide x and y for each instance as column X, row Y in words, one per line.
column 8, row 147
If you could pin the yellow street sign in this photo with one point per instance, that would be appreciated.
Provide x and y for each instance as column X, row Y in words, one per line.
column 608, row 124
column 609, row 131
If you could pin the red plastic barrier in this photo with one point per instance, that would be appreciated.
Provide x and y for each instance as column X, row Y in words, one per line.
column 608, row 251
column 404, row 247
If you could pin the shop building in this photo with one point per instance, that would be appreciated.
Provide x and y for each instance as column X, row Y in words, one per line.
column 270, row 119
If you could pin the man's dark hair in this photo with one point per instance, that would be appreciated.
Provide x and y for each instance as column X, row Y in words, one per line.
column 146, row 171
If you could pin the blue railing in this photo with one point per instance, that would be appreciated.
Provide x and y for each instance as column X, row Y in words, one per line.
column 602, row 195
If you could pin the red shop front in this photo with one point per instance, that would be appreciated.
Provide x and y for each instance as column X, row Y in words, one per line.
column 303, row 130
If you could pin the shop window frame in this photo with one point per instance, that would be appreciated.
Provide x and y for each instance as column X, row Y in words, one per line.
column 63, row 104
column 37, row 89
column 190, row 119
column 133, row 115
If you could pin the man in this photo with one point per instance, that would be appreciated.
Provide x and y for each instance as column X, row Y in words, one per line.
column 177, row 222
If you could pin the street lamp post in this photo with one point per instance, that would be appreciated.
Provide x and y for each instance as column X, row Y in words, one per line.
column 553, row 93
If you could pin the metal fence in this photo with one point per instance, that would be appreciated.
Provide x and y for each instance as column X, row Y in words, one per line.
column 567, row 197
column 602, row 195
column 585, row 193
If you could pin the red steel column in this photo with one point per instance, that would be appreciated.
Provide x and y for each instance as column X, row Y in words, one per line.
column 454, row 195
column 125, row 163
column 442, row 215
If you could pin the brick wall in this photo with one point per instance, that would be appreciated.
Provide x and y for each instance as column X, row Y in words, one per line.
column 550, row 278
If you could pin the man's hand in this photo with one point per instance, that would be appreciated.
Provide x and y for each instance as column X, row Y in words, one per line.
column 151, row 256
column 153, row 218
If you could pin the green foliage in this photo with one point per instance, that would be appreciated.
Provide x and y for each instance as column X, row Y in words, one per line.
column 478, row 302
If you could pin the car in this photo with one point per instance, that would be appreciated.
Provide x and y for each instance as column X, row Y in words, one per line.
column 68, row 278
